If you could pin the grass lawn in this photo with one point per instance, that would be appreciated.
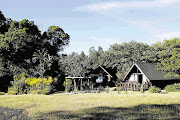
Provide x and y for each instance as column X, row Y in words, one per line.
column 133, row 105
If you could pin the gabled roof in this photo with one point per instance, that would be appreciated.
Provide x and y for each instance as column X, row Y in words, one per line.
column 105, row 71
column 151, row 73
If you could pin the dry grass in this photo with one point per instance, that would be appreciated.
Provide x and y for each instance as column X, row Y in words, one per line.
column 97, row 105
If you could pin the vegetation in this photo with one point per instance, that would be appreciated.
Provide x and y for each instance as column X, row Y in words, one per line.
column 23, row 85
column 2, row 93
column 133, row 105
column 107, row 89
column 67, row 84
column 142, row 88
column 168, row 54
column 121, row 56
column 173, row 88
column 154, row 89
column 23, row 49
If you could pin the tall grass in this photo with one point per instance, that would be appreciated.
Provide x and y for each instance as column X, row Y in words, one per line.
column 110, row 105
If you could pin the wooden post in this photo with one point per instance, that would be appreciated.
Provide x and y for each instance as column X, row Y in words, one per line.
column 88, row 82
column 75, row 85
column 81, row 85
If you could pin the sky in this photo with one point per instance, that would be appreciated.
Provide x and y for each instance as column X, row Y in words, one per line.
column 100, row 22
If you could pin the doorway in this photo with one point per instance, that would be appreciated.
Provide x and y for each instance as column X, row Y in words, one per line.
column 140, row 78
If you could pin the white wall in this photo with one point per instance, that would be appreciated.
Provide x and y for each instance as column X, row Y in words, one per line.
column 144, row 78
column 131, row 77
column 134, row 77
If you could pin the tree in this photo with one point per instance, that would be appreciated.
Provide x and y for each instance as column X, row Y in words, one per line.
column 44, row 61
column 55, row 39
column 93, row 58
column 122, row 56
column 21, row 40
column 3, row 25
column 75, row 64
column 101, row 59
column 18, row 44
column 169, row 57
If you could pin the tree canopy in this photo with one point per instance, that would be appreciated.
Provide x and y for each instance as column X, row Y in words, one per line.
column 21, row 40
column 169, row 57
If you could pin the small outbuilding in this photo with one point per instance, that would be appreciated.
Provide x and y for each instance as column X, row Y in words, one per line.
column 147, row 73
column 101, row 76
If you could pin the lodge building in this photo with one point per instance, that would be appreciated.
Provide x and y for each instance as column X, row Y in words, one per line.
column 147, row 73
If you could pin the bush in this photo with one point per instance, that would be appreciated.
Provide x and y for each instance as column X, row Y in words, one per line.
column 40, row 85
column 18, row 85
column 67, row 84
column 173, row 88
column 142, row 88
column 118, row 89
column 23, row 85
column 2, row 93
column 107, row 89
column 154, row 89
column 100, row 89
column 12, row 91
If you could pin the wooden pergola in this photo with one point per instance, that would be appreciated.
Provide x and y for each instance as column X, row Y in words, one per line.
column 80, row 78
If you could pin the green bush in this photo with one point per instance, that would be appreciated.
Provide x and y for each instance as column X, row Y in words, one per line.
column 67, row 84
column 142, row 88
column 118, row 89
column 23, row 85
column 107, row 89
column 40, row 85
column 18, row 85
column 173, row 88
column 100, row 89
column 2, row 93
column 12, row 91
column 154, row 89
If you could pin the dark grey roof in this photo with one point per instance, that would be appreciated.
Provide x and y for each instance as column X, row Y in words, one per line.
column 152, row 73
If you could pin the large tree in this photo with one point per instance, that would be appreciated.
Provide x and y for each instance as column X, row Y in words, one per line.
column 55, row 39
column 3, row 25
column 169, row 57
column 75, row 65
column 19, row 41
column 122, row 56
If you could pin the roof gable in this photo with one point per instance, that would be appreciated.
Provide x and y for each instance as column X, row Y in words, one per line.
column 148, row 69
column 101, row 69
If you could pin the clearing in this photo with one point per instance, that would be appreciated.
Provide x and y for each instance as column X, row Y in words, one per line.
column 133, row 105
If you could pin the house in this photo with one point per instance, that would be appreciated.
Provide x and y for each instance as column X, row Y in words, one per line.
column 103, row 76
column 147, row 73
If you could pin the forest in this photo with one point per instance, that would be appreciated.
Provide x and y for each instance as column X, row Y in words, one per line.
column 31, row 62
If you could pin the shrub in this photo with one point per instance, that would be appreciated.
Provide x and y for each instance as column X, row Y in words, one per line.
column 18, row 85
column 118, row 89
column 23, row 85
column 107, row 89
column 40, row 85
column 100, row 89
column 154, row 89
column 173, row 88
column 2, row 93
column 12, row 91
column 67, row 84
column 142, row 88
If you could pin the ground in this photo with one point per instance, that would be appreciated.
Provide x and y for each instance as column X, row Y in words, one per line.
column 133, row 105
